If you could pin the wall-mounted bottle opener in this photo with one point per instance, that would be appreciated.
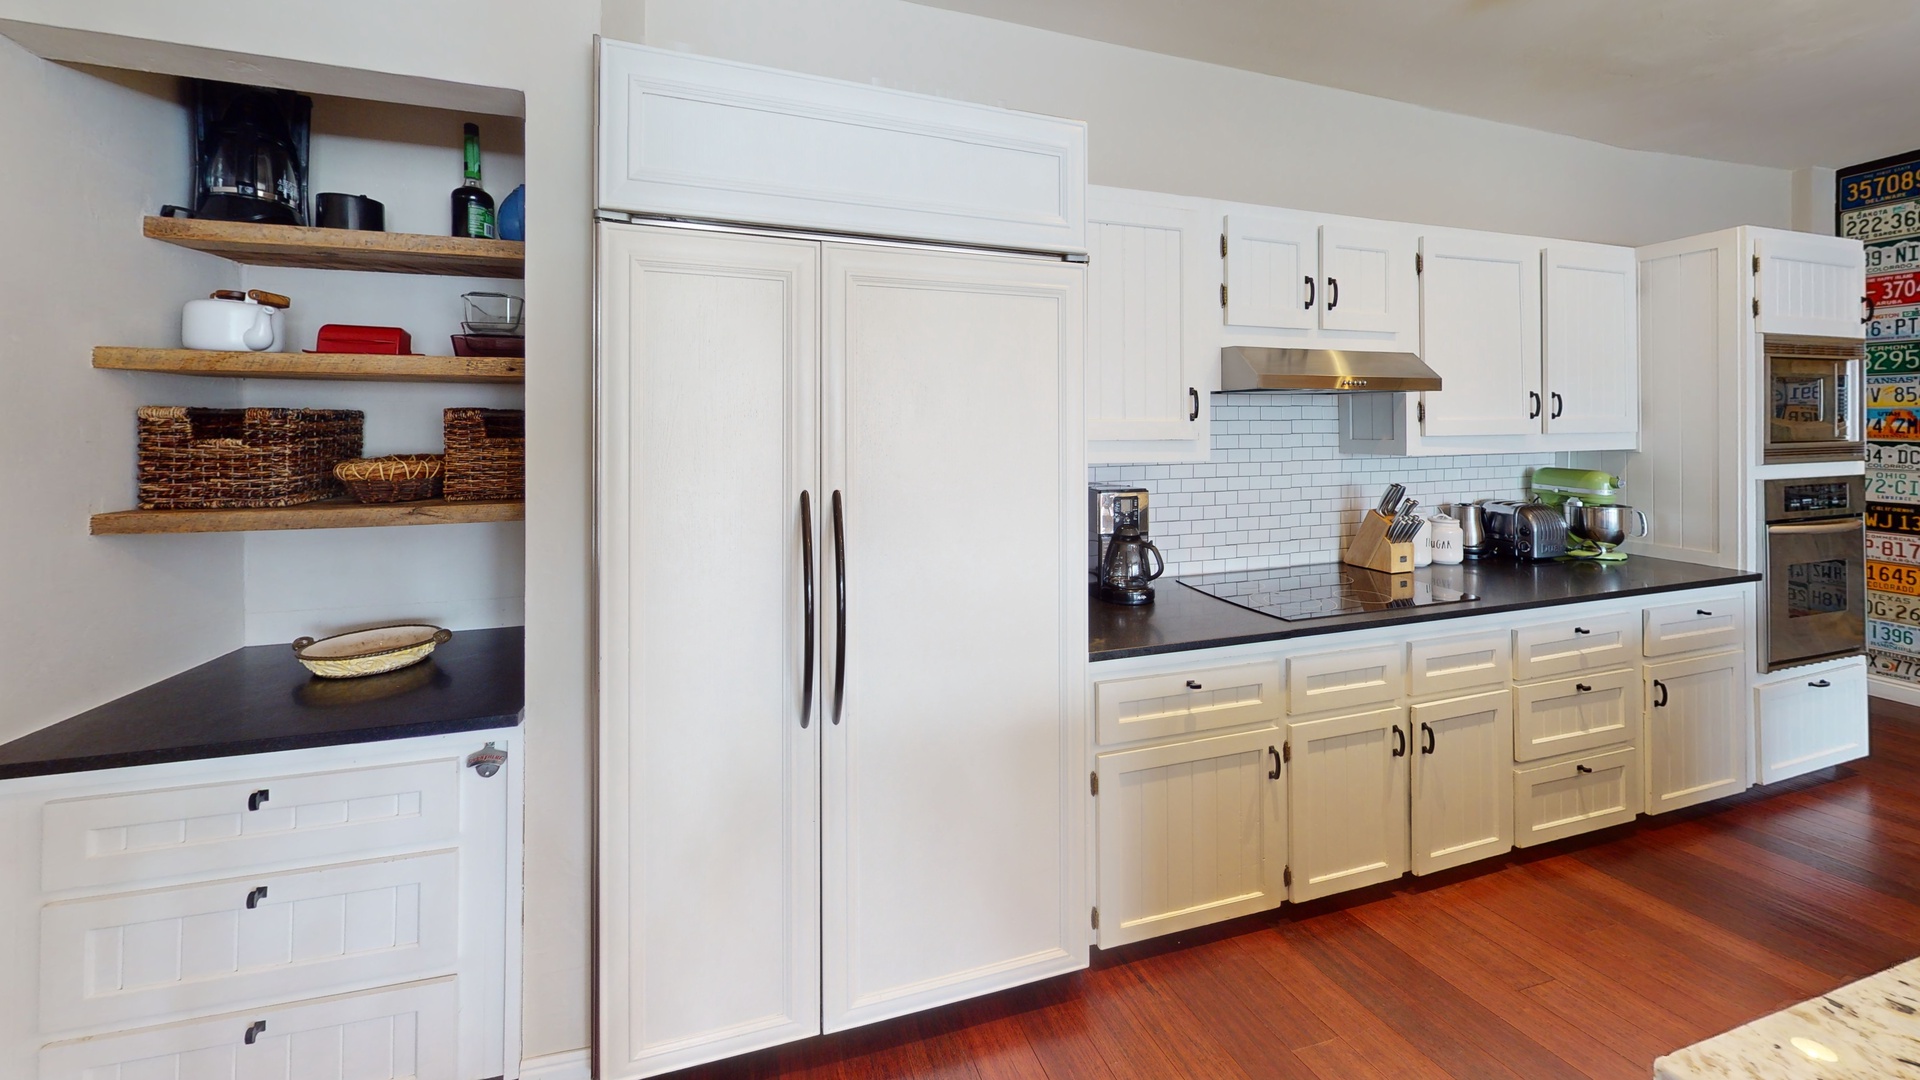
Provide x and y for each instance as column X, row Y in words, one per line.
column 487, row 760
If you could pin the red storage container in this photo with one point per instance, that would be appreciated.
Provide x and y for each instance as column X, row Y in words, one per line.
column 371, row 340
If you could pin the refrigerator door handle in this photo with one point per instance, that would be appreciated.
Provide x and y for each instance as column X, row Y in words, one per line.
column 806, row 555
column 840, row 614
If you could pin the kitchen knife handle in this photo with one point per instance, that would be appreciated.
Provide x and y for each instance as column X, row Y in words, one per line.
column 806, row 558
column 1310, row 293
column 840, row 615
column 1533, row 396
column 1333, row 293
column 1194, row 392
column 1399, row 742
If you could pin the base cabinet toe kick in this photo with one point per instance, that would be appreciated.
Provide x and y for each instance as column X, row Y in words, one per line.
column 1347, row 759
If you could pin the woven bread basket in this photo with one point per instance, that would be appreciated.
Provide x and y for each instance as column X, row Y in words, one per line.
column 221, row 458
column 395, row 478
column 486, row 454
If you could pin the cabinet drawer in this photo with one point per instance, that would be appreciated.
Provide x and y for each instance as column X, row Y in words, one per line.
column 135, row 958
column 1576, row 796
column 1566, row 716
column 1683, row 628
column 1584, row 643
column 1813, row 718
column 408, row 1031
column 1346, row 679
column 1458, row 664
column 231, row 827
column 1203, row 699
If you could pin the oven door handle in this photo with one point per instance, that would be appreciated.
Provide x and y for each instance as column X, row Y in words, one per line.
column 1834, row 527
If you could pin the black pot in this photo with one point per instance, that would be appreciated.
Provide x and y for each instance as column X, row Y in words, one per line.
column 333, row 210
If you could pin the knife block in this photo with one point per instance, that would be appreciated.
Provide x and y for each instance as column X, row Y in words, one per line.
column 1371, row 548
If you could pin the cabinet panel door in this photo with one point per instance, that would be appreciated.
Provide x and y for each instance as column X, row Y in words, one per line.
column 1810, row 285
column 1480, row 329
column 1581, row 713
column 1462, row 780
column 1273, row 266
column 406, row 1033
column 1696, row 730
column 1150, row 365
column 1592, row 340
column 1347, row 802
column 954, row 771
column 1366, row 275
column 1190, row 833
column 709, row 870
column 1815, row 718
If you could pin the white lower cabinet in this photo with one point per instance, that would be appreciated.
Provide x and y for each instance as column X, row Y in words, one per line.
column 406, row 1033
column 1462, row 805
column 1347, row 801
column 1697, row 725
column 1810, row 718
column 1566, row 798
column 1190, row 833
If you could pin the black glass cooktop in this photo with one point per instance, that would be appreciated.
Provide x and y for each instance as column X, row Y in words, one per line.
column 1298, row 593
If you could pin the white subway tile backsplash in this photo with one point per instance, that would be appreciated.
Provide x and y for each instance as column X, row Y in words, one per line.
column 1278, row 492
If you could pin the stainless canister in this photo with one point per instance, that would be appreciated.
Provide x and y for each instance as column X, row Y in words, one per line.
column 1474, row 541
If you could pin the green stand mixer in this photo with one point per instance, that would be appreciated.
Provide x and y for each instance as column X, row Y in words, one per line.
column 1590, row 501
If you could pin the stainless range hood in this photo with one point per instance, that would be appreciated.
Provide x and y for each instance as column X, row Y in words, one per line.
column 1321, row 370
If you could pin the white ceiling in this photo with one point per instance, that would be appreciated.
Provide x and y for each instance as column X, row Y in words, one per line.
column 1767, row 82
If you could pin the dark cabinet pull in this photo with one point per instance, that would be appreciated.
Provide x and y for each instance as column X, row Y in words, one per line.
column 254, row 1030
column 1703, row 611
column 1194, row 413
column 1873, row 307
column 840, row 611
column 1820, row 684
column 1399, row 742
column 1427, row 732
column 1191, row 685
column 1533, row 396
column 1557, row 406
column 1583, row 688
column 1274, row 773
column 806, row 557
column 1581, row 768
column 257, row 894
column 1333, row 293
column 1310, row 293
column 1661, row 688
column 254, row 800
column 1581, row 630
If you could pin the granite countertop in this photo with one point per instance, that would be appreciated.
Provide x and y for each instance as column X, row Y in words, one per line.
column 259, row 700
column 1867, row 1030
column 1182, row 619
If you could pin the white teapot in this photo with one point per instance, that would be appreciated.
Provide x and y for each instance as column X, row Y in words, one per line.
column 233, row 321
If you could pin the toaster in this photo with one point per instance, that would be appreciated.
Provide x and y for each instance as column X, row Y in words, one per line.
column 1529, row 530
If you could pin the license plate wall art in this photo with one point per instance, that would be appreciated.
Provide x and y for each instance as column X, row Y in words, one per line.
column 1879, row 205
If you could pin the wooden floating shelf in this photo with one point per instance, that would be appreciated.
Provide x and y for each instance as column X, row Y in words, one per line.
column 343, row 366
column 343, row 249
column 330, row 514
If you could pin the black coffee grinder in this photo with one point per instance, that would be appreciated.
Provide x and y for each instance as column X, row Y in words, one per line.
column 250, row 153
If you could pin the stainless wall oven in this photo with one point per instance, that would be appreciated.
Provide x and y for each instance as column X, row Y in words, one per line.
column 1815, row 592
column 1813, row 396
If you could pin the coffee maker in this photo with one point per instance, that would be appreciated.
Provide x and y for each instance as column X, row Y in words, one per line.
column 1118, row 551
column 250, row 149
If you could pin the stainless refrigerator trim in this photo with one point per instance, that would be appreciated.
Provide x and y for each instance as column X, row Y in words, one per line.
column 1829, row 530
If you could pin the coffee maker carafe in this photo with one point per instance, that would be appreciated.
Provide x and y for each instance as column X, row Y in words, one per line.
column 1124, row 574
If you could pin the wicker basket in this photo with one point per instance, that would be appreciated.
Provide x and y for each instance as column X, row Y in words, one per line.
column 202, row 459
column 486, row 454
column 397, row 478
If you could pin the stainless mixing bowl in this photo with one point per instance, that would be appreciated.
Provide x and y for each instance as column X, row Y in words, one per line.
column 1605, row 527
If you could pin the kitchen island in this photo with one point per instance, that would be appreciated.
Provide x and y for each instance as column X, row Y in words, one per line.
column 1866, row 1030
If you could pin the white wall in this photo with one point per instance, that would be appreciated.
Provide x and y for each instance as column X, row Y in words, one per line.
column 441, row 51
column 85, row 619
column 1164, row 124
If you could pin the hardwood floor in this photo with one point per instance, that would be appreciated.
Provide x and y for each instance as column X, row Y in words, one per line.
column 1588, row 958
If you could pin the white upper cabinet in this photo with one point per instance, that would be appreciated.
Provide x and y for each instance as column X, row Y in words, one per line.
column 688, row 136
column 1591, row 348
column 1810, row 285
column 1319, row 282
column 1151, row 359
column 1480, row 305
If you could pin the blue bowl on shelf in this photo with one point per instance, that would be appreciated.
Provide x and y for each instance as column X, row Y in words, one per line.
column 512, row 218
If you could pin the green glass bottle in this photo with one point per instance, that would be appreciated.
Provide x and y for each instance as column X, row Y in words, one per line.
column 472, row 206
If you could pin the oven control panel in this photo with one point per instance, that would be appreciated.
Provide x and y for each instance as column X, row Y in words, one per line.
column 1816, row 497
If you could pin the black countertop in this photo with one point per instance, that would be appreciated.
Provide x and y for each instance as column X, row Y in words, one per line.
column 1181, row 619
column 259, row 699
